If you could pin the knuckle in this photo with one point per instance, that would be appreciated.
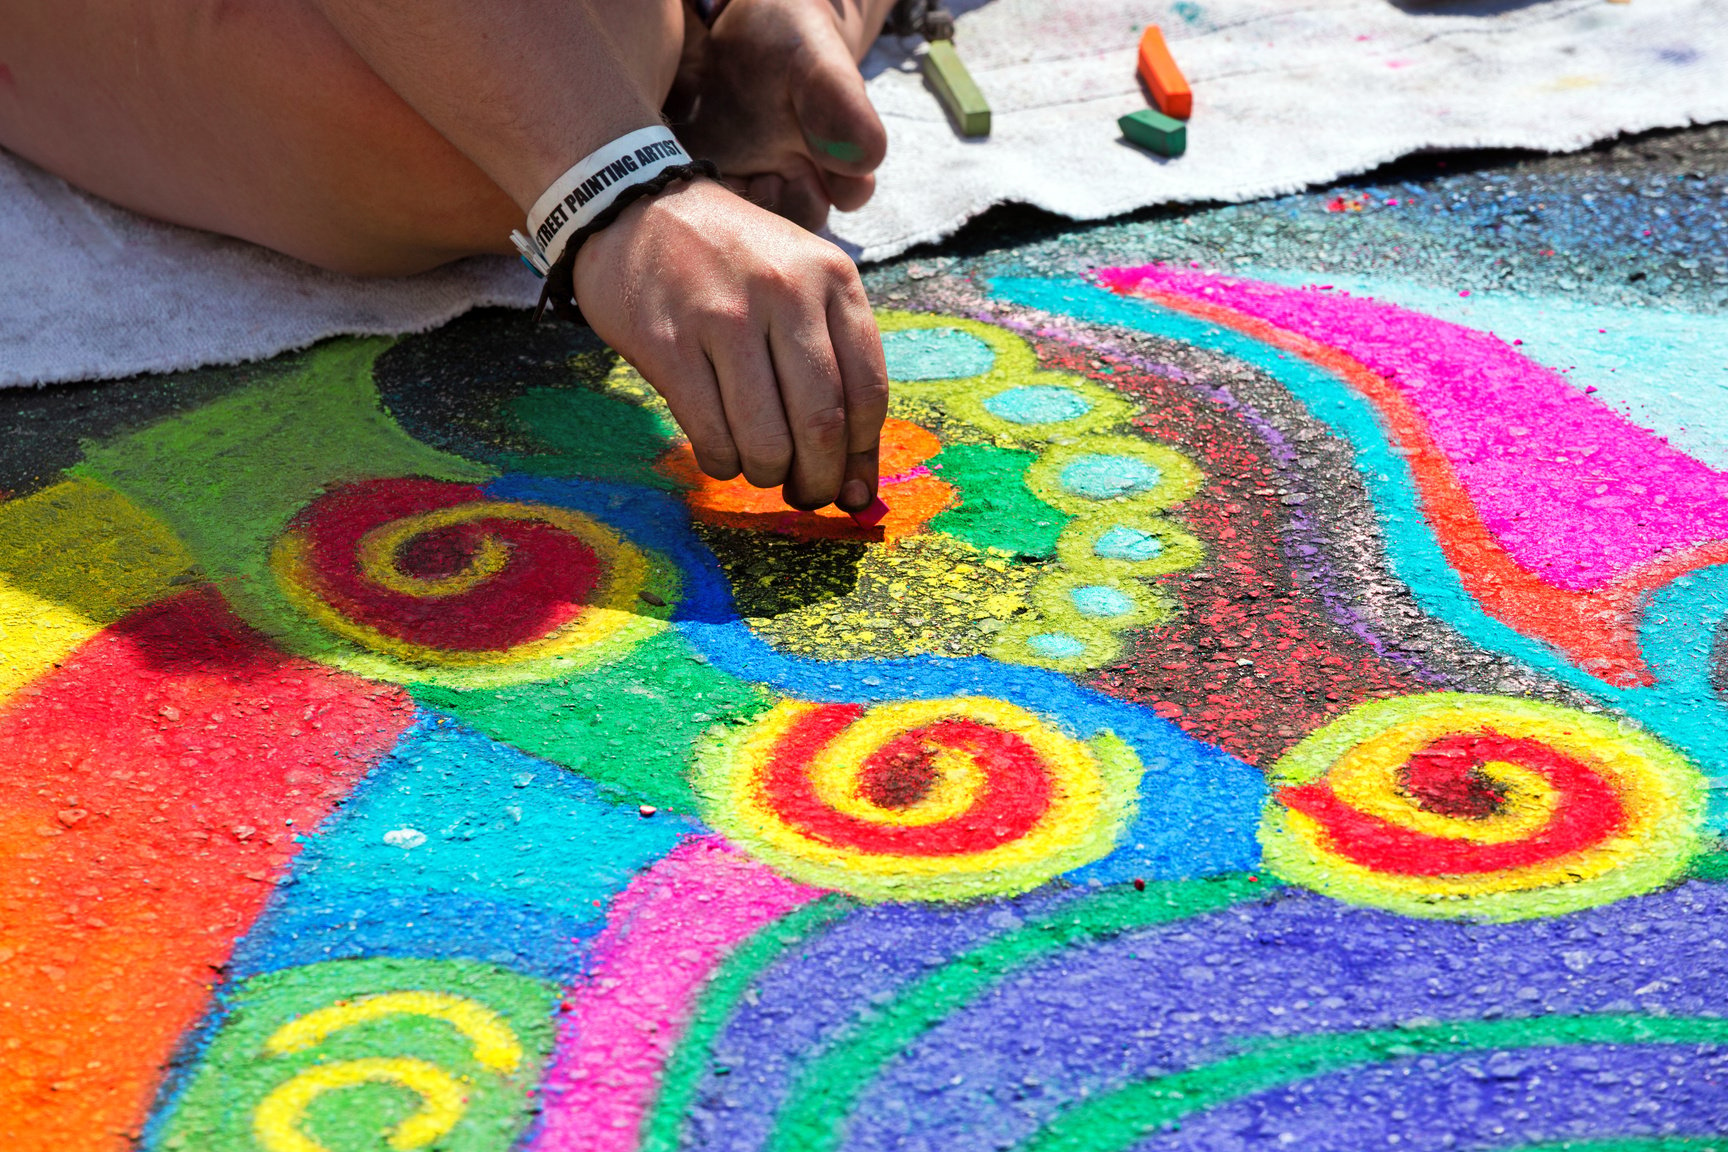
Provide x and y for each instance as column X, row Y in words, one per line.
column 730, row 318
column 870, row 395
column 768, row 451
column 840, row 267
column 826, row 428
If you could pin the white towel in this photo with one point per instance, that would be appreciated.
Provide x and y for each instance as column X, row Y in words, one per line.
column 1286, row 94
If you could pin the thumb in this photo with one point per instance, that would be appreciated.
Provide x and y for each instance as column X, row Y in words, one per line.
column 841, row 128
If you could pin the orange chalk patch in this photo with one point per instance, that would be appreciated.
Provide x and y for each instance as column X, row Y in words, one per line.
column 911, row 492
column 1158, row 69
column 151, row 790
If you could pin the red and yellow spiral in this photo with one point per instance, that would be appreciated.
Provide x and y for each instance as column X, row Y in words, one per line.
column 1480, row 806
column 920, row 800
column 424, row 574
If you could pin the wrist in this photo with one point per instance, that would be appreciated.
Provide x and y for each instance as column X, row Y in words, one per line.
column 626, row 208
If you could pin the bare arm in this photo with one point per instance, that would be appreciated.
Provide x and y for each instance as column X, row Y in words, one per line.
column 758, row 334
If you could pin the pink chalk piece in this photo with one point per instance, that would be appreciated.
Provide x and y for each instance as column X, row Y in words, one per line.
column 872, row 515
column 665, row 935
column 1576, row 493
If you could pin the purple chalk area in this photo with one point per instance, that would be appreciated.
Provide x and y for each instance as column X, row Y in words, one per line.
column 1165, row 999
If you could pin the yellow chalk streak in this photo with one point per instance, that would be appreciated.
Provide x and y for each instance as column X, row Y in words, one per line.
column 277, row 1121
column 35, row 634
column 611, row 616
column 87, row 547
column 957, row 782
column 495, row 1045
column 378, row 551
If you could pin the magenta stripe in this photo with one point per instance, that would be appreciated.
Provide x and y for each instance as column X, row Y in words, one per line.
column 1575, row 493
column 666, row 933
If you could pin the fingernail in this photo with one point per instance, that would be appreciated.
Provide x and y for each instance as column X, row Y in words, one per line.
column 854, row 495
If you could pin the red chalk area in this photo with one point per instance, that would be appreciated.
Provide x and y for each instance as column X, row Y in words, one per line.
column 146, row 790
column 547, row 579
column 1587, row 811
column 1014, row 797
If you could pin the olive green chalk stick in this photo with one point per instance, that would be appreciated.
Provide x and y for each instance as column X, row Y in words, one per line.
column 1155, row 131
column 954, row 86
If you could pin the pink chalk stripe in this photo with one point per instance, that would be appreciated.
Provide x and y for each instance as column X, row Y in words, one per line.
column 1573, row 491
column 666, row 933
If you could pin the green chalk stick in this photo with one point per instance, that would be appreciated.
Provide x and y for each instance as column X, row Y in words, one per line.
column 954, row 86
column 1155, row 131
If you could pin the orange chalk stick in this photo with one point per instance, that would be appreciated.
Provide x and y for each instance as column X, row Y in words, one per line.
column 1169, row 87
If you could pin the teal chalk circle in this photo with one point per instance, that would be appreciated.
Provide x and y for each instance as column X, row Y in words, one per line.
column 1099, row 477
column 936, row 354
column 1037, row 404
column 1125, row 543
column 1055, row 645
column 1101, row 601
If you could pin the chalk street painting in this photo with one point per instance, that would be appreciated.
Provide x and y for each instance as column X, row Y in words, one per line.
column 1270, row 717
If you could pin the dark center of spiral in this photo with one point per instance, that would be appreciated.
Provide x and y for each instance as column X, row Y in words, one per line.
column 901, row 779
column 1447, row 777
column 440, row 552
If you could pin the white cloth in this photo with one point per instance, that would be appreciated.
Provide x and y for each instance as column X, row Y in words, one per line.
column 1286, row 94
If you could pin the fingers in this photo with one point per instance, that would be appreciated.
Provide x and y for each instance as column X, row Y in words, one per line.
column 844, row 134
column 800, row 198
column 815, row 404
column 692, row 391
column 750, row 396
column 849, row 193
column 864, row 383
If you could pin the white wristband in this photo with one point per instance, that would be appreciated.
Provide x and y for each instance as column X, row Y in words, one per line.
column 590, row 187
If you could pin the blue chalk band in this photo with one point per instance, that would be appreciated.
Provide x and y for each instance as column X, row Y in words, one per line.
column 591, row 187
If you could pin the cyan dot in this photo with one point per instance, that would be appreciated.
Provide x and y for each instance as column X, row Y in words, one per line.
column 1124, row 543
column 1038, row 404
column 1055, row 645
column 1107, row 477
column 935, row 354
column 1101, row 600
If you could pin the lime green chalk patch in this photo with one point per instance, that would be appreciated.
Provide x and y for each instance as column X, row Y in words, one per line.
column 842, row 150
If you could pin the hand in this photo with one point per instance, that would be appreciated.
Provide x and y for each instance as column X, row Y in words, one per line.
column 781, row 108
column 757, row 333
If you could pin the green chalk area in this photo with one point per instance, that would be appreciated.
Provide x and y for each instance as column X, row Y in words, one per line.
column 588, row 434
column 996, row 508
column 364, row 1081
column 1155, row 132
column 632, row 729
column 227, row 478
column 954, row 86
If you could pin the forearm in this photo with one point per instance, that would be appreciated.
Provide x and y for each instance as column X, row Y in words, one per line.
column 524, row 88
